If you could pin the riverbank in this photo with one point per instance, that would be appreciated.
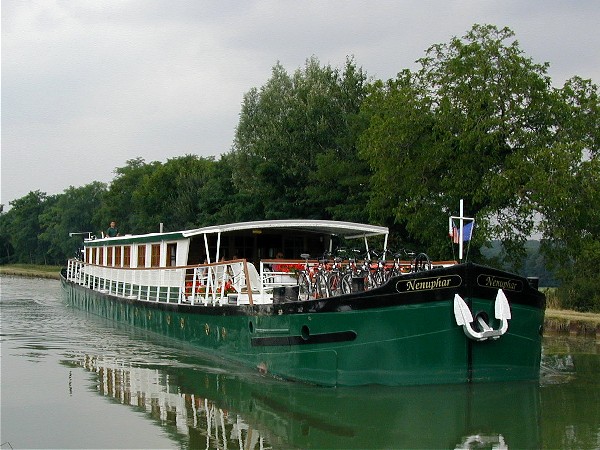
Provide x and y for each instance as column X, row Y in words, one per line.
column 572, row 322
column 29, row 270
column 557, row 320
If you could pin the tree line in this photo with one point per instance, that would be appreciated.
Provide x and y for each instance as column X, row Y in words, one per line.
column 477, row 120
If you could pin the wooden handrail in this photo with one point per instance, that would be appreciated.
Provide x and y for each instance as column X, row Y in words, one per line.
column 248, row 283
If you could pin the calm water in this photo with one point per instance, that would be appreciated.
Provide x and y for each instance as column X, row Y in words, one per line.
column 73, row 380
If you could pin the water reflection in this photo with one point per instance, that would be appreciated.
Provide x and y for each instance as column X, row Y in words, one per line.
column 217, row 410
column 186, row 415
column 570, row 392
column 52, row 355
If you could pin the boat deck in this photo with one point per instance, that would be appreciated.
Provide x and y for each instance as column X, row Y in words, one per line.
column 235, row 282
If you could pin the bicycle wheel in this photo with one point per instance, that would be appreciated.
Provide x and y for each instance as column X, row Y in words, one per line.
column 304, row 290
column 346, row 283
column 392, row 273
column 421, row 263
column 369, row 281
column 334, row 283
column 322, row 285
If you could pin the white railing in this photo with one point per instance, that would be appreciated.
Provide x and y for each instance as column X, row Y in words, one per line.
column 231, row 282
column 277, row 273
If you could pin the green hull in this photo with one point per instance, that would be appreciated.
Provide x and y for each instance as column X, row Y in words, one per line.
column 380, row 337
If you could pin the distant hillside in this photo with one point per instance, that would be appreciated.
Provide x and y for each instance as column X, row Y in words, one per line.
column 533, row 266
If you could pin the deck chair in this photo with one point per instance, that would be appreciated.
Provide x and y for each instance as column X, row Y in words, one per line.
column 239, row 277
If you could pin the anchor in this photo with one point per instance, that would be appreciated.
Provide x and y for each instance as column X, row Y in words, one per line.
column 464, row 318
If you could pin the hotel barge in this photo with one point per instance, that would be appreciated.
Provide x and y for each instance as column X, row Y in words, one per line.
column 238, row 292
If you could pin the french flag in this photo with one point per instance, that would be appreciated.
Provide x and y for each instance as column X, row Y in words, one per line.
column 467, row 233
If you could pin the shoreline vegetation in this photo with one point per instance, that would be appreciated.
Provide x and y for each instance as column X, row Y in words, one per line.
column 556, row 321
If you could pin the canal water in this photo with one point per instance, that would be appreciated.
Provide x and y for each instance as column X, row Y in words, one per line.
column 74, row 380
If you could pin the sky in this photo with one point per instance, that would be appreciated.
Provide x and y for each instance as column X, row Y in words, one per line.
column 88, row 85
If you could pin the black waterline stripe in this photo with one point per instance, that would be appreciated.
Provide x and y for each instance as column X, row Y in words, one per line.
column 324, row 338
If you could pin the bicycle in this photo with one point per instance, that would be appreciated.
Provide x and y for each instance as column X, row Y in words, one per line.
column 312, row 281
column 334, row 275
column 353, row 272
column 421, row 263
column 378, row 271
column 400, row 265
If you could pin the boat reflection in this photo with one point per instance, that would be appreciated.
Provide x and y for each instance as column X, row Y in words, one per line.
column 188, row 416
column 218, row 409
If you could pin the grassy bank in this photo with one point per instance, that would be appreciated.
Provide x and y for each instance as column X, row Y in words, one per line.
column 557, row 320
column 30, row 270
column 561, row 320
column 572, row 322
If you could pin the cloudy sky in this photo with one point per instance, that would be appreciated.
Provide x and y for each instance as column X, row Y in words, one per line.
column 88, row 84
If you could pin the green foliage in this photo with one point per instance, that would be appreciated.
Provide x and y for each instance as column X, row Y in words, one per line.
column 397, row 145
column 566, row 188
column 184, row 192
column 580, row 288
column 169, row 194
column 478, row 121
column 36, row 229
column 21, row 225
column 463, row 126
column 294, row 153
column 568, row 173
column 218, row 200
column 119, row 204
column 71, row 212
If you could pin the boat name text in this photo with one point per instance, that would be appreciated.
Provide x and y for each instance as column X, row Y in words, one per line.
column 491, row 281
column 428, row 284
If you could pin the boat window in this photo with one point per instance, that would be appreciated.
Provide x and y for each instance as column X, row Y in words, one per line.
column 293, row 246
column 109, row 258
column 92, row 257
column 244, row 246
column 127, row 256
column 155, row 255
column 118, row 252
column 141, row 259
column 196, row 253
column 171, row 255
column 100, row 256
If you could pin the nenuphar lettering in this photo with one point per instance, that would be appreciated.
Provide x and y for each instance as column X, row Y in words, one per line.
column 499, row 283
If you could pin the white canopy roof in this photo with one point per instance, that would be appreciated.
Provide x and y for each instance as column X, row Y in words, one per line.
column 345, row 229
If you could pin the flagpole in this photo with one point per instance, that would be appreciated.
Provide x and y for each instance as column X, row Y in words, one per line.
column 460, row 233
column 460, row 228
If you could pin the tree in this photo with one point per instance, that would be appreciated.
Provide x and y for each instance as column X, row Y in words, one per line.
column 71, row 212
column 466, row 125
column 566, row 191
column 292, row 135
column 22, row 226
column 398, row 138
column 218, row 199
column 566, row 186
column 262, row 150
column 170, row 194
column 7, row 251
column 339, row 185
column 118, row 204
